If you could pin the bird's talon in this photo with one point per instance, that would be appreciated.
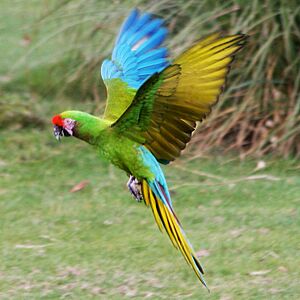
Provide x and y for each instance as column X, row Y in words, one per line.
column 134, row 187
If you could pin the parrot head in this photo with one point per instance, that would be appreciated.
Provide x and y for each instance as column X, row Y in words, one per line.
column 79, row 124
column 63, row 126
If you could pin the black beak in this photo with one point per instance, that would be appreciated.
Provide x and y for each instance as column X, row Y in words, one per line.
column 58, row 132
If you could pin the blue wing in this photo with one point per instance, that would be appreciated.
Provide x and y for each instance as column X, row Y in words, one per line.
column 137, row 54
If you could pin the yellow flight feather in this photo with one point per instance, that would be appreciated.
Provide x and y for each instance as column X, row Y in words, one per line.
column 189, row 88
column 165, row 217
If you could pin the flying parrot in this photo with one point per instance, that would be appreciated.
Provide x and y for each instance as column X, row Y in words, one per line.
column 153, row 105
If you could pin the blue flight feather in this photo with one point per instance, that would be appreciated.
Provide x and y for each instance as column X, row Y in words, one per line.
column 137, row 53
column 154, row 54
column 154, row 63
column 145, row 31
column 142, row 21
column 154, row 41
column 128, row 23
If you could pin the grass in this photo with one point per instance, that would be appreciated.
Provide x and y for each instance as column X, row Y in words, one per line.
column 98, row 243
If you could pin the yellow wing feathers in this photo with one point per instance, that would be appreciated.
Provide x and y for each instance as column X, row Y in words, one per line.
column 165, row 218
column 165, row 110
column 204, row 68
column 189, row 88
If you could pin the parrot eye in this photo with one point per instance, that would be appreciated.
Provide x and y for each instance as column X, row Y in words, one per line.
column 68, row 122
column 68, row 127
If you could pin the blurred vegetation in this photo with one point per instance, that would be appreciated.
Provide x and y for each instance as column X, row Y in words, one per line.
column 16, row 112
column 64, row 43
column 98, row 243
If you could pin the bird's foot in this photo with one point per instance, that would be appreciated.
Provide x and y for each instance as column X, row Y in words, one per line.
column 134, row 187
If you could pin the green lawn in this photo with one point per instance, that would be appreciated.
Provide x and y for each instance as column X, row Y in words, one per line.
column 98, row 243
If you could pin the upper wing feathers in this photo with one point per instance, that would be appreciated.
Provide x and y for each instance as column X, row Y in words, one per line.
column 137, row 55
column 165, row 109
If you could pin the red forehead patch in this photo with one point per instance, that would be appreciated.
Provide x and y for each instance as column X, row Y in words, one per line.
column 57, row 120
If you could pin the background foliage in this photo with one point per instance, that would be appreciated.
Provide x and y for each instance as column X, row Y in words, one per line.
column 64, row 43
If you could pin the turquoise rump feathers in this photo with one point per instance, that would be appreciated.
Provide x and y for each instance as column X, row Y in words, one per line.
column 153, row 106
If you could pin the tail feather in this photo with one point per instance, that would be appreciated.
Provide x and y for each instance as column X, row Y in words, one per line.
column 166, row 218
column 149, row 200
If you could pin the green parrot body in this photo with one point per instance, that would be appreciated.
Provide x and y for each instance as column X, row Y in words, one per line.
column 152, row 110
column 112, row 146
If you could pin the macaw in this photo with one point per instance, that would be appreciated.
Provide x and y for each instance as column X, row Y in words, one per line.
column 152, row 108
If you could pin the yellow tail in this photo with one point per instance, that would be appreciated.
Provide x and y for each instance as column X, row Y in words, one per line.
column 165, row 217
